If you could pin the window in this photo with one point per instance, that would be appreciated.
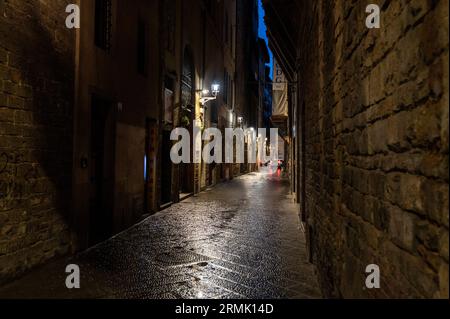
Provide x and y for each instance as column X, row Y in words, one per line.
column 226, row 29
column 226, row 80
column 231, row 39
column 103, row 24
column 228, row 88
column 187, row 80
column 142, row 47
column 232, row 92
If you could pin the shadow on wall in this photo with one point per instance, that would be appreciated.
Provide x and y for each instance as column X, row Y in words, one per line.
column 36, row 140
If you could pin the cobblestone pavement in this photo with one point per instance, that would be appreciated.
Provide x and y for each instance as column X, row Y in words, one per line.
column 241, row 239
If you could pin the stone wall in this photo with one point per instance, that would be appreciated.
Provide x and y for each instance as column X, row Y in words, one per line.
column 36, row 104
column 377, row 145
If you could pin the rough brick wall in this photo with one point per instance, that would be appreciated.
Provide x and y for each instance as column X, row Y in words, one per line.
column 36, row 102
column 377, row 145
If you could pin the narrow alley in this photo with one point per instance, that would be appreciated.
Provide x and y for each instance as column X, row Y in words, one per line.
column 136, row 137
column 241, row 239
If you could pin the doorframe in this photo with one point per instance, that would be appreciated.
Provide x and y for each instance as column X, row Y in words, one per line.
column 99, row 94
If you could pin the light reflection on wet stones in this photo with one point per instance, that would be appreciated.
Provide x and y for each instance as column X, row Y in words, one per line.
column 239, row 240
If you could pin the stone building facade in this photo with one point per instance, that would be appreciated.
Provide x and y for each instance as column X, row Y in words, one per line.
column 117, row 99
column 37, row 73
column 86, row 115
column 370, row 108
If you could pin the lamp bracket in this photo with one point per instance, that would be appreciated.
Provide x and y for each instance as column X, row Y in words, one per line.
column 206, row 99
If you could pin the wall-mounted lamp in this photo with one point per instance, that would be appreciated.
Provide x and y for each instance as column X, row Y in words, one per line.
column 209, row 96
column 215, row 88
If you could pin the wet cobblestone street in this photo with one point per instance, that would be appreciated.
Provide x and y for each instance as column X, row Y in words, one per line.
column 241, row 239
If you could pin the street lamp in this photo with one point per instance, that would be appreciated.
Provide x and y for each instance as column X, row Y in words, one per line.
column 215, row 88
column 210, row 96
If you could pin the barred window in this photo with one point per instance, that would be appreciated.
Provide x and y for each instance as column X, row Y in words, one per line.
column 103, row 24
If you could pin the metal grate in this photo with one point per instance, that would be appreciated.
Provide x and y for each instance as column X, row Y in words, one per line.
column 103, row 24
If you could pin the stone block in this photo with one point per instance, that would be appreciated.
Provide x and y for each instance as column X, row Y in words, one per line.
column 6, row 115
column 405, row 190
column 434, row 195
column 402, row 227
column 443, row 243
column 443, row 281
column 3, row 56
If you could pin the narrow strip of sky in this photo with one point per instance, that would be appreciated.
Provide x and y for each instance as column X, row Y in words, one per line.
column 263, row 32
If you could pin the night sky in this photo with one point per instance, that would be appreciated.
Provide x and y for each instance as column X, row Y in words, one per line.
column 262, row 31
